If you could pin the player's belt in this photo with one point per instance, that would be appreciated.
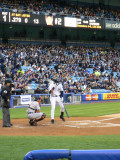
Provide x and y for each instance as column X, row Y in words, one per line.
column 31, row 108
column 55, row 96
column 30, row 113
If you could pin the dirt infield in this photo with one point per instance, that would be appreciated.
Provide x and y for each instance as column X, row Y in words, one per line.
column 104, row 125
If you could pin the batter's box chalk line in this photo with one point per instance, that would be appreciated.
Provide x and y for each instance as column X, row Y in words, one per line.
column 91, row 123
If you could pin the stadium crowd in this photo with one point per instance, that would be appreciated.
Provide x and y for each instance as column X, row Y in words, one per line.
column 79, row 68
column 48, row 8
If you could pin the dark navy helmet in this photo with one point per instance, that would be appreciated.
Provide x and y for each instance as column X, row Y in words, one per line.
column 37, row 98
column 56, row 80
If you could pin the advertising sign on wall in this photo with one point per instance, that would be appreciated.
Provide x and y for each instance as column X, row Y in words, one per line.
column 25, row 99
column 91, row 97
column 107, row 96
column 112, row 25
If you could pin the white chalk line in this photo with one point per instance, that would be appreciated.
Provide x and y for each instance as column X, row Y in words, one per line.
column 92, row 123
column 108, row 119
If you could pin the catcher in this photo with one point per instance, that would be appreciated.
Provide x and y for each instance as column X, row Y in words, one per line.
column 33, row 112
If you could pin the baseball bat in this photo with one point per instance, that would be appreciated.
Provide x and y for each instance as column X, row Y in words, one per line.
column 66, row 112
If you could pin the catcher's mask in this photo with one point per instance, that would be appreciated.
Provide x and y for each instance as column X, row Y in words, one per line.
column 38, row 99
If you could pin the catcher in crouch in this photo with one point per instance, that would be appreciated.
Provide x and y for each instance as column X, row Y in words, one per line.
column 33, row 112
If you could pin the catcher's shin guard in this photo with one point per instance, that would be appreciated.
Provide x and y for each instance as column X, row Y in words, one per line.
column 42, row 117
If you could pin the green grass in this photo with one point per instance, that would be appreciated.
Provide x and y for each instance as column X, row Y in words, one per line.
column 79, row 110
column 14, row 148
column 22, row 145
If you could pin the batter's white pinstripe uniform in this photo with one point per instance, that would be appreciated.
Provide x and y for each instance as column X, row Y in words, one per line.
column 55, row 97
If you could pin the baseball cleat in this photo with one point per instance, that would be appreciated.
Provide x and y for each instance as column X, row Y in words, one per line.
column 52, row 121
column 32, row 122
column 63, row 119
column 7, row 125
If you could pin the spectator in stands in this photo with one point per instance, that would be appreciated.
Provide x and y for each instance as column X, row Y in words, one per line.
column 97, row 73
column 69, row 72
column 87, row 90
column 117, row 89
column 37, row 90
column 47, row 8
column 20, row 71
column 102, row 68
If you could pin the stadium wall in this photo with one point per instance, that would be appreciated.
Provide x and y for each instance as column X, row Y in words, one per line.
column 69, row 98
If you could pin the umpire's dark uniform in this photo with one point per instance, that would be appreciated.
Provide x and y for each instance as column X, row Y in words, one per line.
column 5, row 102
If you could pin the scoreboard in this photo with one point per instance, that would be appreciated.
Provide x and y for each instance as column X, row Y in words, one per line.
column 42, row 20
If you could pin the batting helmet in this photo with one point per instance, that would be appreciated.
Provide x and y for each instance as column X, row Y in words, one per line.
column 56, row 80
column 37, row 98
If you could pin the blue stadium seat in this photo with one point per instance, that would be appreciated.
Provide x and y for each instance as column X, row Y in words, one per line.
column 90, row 70
column 51, row 67
column 118, row 84
column 25, row 68
column 77, row 78
column 115, row 74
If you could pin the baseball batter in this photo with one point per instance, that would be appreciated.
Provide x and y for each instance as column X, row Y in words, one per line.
column 33, row 112
column 56, row 96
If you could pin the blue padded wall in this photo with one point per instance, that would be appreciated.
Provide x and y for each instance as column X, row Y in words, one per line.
column 47, row 154
column 95, row 155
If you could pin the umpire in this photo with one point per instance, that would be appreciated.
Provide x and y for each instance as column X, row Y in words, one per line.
column 5, row 102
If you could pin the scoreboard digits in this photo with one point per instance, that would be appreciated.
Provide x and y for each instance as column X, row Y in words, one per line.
column 58, row 21
column 36, row 21
column 26, row 20
column 4, row 16
column 16, row 19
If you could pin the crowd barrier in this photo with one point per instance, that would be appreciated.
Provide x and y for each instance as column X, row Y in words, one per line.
column 69, row 98
column 54, row 154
